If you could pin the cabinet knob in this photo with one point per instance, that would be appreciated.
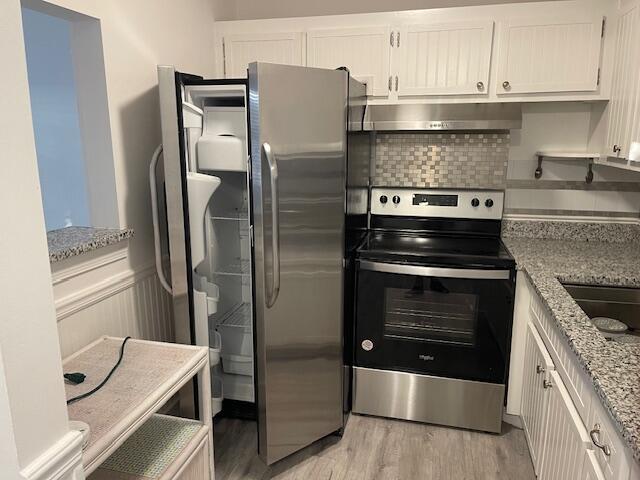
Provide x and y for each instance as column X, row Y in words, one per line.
column 547, row 384
column 480, row 85
column 540, row 369
column 506, row 85
column 595, row 438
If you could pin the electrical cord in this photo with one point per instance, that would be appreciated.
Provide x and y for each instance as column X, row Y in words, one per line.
column 106, row 379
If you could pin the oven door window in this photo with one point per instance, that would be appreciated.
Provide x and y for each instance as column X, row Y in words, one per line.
column 433, row 314
column 435, row 325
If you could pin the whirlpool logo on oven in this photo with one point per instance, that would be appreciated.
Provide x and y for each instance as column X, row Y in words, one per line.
column 426, row 358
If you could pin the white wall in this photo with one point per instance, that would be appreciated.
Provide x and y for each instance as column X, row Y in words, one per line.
column 136, row 37
column 252, row 9
column 32, row 373
column 562, row 190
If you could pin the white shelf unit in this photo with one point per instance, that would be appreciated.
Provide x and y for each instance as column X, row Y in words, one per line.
column 150, row 374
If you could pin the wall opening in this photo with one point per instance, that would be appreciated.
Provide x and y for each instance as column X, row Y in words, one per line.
column 71, row 125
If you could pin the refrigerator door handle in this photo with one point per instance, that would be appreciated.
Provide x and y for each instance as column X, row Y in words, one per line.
column 275, row 225
column 154, row 214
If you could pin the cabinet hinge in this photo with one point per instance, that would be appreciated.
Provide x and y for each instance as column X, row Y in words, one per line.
column 398, row 40
column 598, row 79
column 602, row 31
column 390, row 82
column 224, row 60
column 391, row 36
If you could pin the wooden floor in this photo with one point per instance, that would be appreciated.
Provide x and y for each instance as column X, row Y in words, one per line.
column 376, row 448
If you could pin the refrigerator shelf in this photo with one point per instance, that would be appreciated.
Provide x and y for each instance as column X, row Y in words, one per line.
column 236, row 267
column 238, row 316
column 231, row 218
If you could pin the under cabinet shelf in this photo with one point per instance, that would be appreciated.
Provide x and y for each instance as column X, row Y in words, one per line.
column 567, row 155
column 590, row 157
column 620, row 163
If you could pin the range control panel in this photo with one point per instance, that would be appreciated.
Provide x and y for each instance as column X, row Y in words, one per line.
column 478, row 204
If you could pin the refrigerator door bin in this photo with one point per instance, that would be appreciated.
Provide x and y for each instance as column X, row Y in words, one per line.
column 215, row 348
column 217, row 389
column 237, row 364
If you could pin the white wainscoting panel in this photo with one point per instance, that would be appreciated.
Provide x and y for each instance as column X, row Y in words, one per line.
column 142, row 309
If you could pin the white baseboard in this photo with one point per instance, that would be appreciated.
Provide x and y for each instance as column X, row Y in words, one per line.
column 513, row 420
column 62, row 461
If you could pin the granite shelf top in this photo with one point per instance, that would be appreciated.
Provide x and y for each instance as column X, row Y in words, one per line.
column 614, row 368
column 71, row 241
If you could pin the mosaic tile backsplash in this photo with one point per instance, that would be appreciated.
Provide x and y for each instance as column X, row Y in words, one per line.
column 441, row 160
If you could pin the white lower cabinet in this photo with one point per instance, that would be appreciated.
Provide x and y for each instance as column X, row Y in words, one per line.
column 591, row 470
column 566, row 441
column 535, row 397
column 557, row 438
column 569, row 432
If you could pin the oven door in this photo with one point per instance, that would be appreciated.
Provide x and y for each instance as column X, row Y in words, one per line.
column 449, row 322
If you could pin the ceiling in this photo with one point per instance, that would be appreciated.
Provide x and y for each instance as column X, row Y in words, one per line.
column 257, row 9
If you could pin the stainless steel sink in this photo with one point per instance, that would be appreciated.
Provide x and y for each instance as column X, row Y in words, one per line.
column 614, row 302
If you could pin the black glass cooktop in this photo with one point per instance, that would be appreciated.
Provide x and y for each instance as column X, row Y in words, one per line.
column 423, row 248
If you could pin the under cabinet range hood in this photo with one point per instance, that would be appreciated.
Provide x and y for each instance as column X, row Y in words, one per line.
column 478, row 116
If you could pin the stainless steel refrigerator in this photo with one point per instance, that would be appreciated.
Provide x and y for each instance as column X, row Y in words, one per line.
column 254, row 194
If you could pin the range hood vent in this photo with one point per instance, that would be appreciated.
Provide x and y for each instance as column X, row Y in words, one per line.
column 477, row 116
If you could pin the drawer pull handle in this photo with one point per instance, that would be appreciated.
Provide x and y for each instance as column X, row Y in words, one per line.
column 547, row 384
column 595, row 438
column 540, row 369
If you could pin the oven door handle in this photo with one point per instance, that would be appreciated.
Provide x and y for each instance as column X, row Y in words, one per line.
column 471, row 273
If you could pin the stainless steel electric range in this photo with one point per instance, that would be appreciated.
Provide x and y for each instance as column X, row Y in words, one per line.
column 434, row 308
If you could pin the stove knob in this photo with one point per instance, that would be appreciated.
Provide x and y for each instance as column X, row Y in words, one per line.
column 488, row 203
column 475, row 202
column 383, row 199
column 396, row 199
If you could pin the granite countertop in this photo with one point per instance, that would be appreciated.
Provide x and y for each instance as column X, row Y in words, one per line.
column 71, row 241
column 614, row 368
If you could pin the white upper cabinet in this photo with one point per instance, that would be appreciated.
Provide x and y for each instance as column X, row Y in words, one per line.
column 444, row 59
column 242, row 49
column 549, row 55
column 624, row 107
column 364, row 51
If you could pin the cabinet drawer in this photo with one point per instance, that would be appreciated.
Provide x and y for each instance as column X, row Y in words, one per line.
column 601, row 429
column 567, row 364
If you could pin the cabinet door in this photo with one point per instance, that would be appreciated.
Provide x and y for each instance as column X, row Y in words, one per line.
column 242, row 49
column 537, row 367
column 566, row 440
column 447, row 59
column 364, row 51
column 624, row 106
column 591, row 469
column 549, row 55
